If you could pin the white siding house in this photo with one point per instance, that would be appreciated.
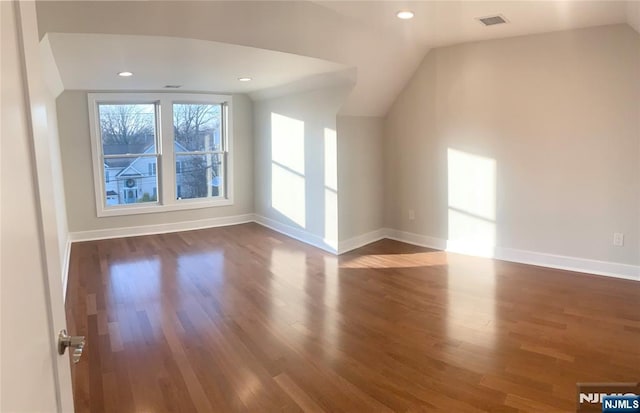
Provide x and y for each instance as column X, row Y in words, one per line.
column 137, row 181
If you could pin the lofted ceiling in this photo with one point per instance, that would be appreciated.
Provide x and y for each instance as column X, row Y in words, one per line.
column 362, row 35
column 92, row 61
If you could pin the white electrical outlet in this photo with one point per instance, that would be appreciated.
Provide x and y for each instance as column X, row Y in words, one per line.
column 412, row 215
column 618, row 239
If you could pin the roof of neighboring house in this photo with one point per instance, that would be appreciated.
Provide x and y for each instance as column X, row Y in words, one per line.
column 130, row 170
column 124, row 148
column 119, row 163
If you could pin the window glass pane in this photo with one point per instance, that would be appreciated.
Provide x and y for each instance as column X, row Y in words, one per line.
column 197, row 127
column 127, row 128
column 130, row 181
column 199, row 177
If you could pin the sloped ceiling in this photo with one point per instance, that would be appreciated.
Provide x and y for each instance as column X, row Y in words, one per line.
column 364, row 35
column 442, row 23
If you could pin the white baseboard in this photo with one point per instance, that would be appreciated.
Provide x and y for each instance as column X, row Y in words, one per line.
column 361, row 240
column 611, row 269
column 561, row 262
column 295, row 233
column 65, row 267
column 416, row 239
column 159, row 228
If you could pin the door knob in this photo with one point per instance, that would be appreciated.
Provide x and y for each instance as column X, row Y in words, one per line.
column 74, row 342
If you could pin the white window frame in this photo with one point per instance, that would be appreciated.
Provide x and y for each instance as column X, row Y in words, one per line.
column 166, row 163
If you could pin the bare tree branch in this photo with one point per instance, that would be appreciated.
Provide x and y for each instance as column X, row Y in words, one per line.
column 126, row 124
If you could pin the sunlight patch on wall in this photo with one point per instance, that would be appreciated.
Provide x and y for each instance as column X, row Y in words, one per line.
column 472, row 203
column 330, row 188
column 287, row 142
column 287, row 168
column 330, row 159
column 331, row 218
column 287, row 194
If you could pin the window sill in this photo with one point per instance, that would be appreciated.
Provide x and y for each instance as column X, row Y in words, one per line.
column 185, row 204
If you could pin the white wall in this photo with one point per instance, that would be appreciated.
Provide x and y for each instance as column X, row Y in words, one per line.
column 75, row 147
column 296, row 164
column 633, row 14
column 58, row 187
column 360, row 176
column 54, row 87
column 550, row 122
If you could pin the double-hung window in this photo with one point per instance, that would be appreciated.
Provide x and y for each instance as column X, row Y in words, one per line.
column 199, row 150
column 160, row 152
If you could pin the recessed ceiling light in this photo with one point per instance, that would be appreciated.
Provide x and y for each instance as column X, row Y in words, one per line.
column 125, row 74
column 244, row 79
column 405, row 14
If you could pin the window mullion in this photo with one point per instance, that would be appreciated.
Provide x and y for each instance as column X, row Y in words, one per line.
column 167, row 171
column 227, row 116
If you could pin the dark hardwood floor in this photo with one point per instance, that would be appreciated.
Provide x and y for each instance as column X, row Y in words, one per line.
column 244, row 319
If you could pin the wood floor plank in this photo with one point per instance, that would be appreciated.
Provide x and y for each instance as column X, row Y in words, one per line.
column 297, row 394
column 241, row 318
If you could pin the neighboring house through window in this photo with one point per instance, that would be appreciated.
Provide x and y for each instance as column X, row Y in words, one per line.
column 131, row 148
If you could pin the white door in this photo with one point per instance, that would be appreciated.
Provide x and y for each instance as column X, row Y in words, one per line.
column 33, row 377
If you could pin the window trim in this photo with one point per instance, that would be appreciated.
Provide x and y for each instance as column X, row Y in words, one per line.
column 165, row 167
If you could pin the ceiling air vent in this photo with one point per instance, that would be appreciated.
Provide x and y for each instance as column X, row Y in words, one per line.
column 492, row 20
column 172, row 86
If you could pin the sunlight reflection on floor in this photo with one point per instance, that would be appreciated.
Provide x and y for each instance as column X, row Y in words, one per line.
column 421, row 259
